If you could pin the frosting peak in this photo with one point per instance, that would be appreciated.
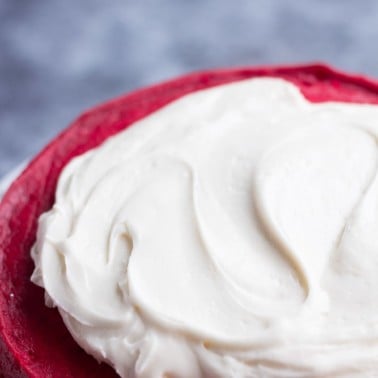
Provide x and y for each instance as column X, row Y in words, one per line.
column 232, row 233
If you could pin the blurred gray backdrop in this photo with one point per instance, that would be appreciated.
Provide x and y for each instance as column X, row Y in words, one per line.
column 59, row 57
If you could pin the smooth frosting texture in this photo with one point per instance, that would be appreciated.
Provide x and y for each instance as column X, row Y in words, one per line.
column 231, row 233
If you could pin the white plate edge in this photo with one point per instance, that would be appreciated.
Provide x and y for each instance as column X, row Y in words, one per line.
column 7, row 180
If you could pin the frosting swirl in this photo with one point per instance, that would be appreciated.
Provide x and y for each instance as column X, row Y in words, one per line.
column 232, row 232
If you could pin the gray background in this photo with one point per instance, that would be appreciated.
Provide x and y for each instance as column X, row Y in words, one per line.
column 59, row 57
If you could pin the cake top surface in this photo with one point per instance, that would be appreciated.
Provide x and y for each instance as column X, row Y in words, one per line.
column 33, row 193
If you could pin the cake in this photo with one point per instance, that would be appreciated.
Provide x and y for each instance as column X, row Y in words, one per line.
column 34, row 341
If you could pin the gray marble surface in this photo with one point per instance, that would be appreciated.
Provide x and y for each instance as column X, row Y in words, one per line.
column 59, row 57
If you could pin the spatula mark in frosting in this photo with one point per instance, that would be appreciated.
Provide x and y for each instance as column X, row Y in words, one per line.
column 286, row 172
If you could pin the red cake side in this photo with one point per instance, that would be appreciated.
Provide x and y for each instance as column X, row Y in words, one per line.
column 33, row 339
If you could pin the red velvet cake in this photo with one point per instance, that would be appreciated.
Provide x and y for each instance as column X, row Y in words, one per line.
column 33, row 339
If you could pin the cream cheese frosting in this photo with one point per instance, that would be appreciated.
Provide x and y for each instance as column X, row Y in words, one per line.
column 232, row 233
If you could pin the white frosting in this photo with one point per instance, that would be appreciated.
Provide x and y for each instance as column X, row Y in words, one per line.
column 232, row 233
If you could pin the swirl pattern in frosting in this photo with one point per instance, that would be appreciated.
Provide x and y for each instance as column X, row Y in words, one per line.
column 231, row 233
